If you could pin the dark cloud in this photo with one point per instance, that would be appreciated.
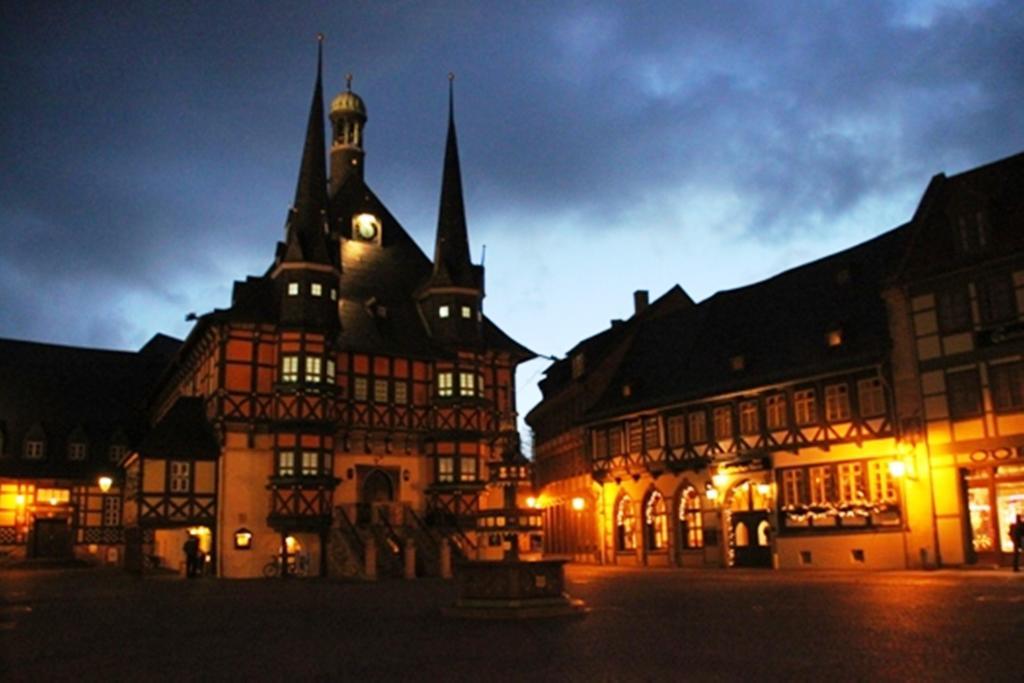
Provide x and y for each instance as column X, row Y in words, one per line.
column 150, row 150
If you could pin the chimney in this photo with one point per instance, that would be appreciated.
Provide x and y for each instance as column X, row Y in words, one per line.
column 640, row 300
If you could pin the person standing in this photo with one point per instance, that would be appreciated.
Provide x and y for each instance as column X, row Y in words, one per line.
column 191, row 549
column 1017, row 536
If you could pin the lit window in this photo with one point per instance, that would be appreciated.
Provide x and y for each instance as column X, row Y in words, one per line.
column 480, row 385
column 314, row 369
column 674, row 427
column 444, row 384
column 834, row 338
column 467, row 312
column 793, row 486
column 53, row 496
column 181, row 477
column 334, row 294
column 870, row 397
column 1007, row 382
column 837, row 402
column 748, row 417
column 111, row 511
column 697, row 423
column 804, row 406
column 851, row 485
column 359, row 389
column 76, row 451
column 310, row 463
column 881, row 486
column 331, row 371
column 34, row 449
column 466, row 384
column 577, row 366
column 775, row 411
column 652, row 435
column 380, row 391
column 625, row 525
column 401, row 392
column 691, row 519
column 635, row 436
column 445, row 470
column 316, row 289
column 820, row 484
column 656, row 522
column 293, row 289
column 723, row 422
column 289, row 368
column 467, row 469
column 286, row 464
column 443, row 312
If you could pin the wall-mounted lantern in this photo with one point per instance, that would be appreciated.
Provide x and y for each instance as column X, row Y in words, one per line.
column 105, row 483
column 243, row 539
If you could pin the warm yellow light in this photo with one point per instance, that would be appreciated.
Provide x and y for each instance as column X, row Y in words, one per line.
column 720, row 480
column 531, row 502
column 897, row 468
column 105, row 483
column 578, row 503
column 53, row 500
column 711, row 494
column 764, row 489
column 19, row 500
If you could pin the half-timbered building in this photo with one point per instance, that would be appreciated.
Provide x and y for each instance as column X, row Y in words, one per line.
column 781, row 423
column 356, row 392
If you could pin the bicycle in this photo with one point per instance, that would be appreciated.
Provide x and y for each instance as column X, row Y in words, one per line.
column 297, row 565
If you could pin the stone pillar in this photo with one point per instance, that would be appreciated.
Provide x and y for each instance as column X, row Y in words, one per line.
column 370, row 564
column 410, row 559
column 446, row 559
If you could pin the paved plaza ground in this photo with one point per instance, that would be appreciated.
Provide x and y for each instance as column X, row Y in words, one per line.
column 90, row 624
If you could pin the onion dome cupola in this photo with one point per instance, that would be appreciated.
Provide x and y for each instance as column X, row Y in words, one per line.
column 452, row 297
column 306, row 270
column 348, row 118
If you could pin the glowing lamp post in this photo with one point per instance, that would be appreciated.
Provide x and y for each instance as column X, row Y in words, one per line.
column 105, row 483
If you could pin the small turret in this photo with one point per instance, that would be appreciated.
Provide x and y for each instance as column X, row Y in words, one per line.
column 348, row 117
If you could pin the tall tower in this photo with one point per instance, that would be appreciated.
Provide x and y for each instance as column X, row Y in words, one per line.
column 348, row 116
column 452, row 298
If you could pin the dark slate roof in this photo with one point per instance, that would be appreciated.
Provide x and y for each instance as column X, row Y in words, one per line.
column 995, row 190
column 778, row 326
column 183, row 433
column 65, row 389
column 307, row 224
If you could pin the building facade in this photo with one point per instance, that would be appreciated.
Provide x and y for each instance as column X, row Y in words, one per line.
column 858, row 411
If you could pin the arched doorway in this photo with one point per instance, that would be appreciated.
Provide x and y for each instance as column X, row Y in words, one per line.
column 750, row 529
column 655, row 523
column 625, row 526
column 376, row 494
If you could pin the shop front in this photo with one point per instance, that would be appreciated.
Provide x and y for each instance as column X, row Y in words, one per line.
column 993, row 483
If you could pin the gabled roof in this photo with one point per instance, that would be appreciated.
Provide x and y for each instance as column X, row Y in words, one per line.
column 183, row 433
column 778, row 326
column 67, row 390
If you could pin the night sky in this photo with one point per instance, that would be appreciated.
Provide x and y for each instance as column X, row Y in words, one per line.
column 150, row 150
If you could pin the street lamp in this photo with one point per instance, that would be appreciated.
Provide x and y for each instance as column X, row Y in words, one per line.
column 105, row 483
column 578, row 503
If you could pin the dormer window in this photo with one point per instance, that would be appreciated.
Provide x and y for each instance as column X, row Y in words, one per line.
column 35, row 449
column 117, row 452
column 467, row 312
column 737, row 363
column 316, row 289
column 443, row 311
column 834, row 338
column 293, row 289
column 76, row 450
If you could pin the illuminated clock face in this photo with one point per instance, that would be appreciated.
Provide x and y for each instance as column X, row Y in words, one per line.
column 365, row 226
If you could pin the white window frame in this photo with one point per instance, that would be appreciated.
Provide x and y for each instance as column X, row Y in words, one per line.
column 467, row 384
column 722, row 418
column 837, row 402
column 290, row 368
column 310, row 464
column 445, row 389
column 697, row 426
column 804, row 407
column 775, row 411
column 749, row 422
column 314, row 369
column 180, row 476
column 871, row 397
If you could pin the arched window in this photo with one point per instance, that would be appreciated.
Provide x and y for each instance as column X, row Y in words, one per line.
column 625, row 525
column 691, row 519
column 655, row 522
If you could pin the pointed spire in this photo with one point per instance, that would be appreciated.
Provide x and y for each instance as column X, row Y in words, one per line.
column 307, row 220
column 451, row 250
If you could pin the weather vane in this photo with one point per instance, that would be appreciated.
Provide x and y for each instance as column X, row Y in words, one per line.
column 348, row 81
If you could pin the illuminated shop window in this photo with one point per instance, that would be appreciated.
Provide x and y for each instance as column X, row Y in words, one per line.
column 656, row 522
column 837, row 402
column 870, row 397
column 625, row 525
column 444, row 384
column 286, row 464
column 53, row 496
column 691, row 519
column 289, row 368
column 775, row 411
column 804, row 406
